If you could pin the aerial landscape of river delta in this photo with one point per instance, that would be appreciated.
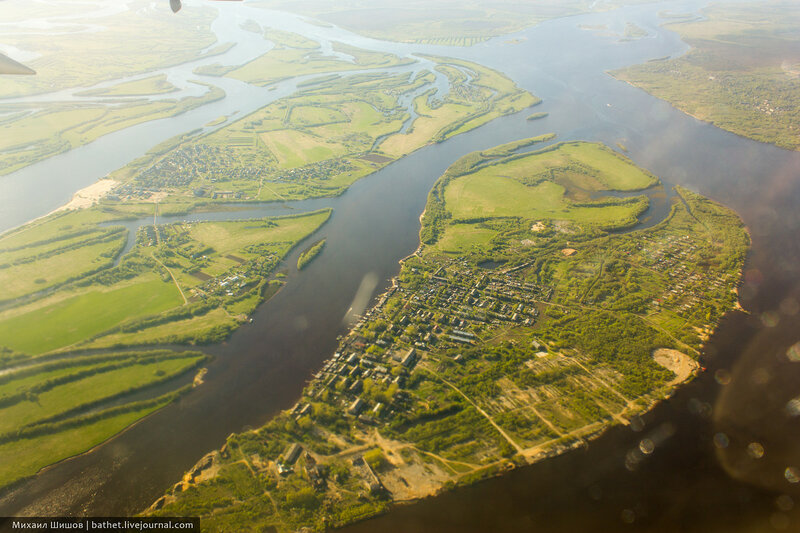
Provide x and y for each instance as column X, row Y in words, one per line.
column 300, row 266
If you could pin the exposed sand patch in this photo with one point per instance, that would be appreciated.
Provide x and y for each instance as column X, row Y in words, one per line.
column 90, row 195
column 677, row 362
column 414, row 481
column 537, row 227
column 569, row 252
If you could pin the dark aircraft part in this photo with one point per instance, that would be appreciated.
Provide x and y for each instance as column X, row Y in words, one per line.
column 9, row 66
column 175, row 5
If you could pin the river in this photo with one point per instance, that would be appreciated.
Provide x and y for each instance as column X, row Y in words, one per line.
column 704, row 474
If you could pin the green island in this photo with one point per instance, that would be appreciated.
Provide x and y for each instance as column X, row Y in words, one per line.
column 31, row 133
column 537, row 116
column 144, row 87
column 309, row 254
column 741, row 73
column 526, row 323
column 80, row 292
column 318, row 141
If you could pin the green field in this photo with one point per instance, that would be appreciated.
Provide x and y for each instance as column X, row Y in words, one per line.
column 25, row 457
column 741, row 73
column 58, row 408
column 549, row 184
column 73, row 395
column 73, row 318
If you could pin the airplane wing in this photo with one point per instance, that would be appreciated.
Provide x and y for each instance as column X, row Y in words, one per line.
column 9, row 66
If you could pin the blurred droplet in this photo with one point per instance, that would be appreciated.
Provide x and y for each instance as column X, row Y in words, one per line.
column 779, row 521
column 700, row 408
column 770, row 319
column 632, row 460
column 784, row 502
column 790, row 306
column 793, row 353
column 792, row 474
column 753, row 276
column 637, row 424
column 722, row 376
column 301, row 323
column 755, row 450
column 647, row 446
column 721, row 441
column 793, row 407
column 761, row 376
column 628, row 516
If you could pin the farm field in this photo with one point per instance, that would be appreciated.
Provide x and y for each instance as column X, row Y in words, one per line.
column 508, row 337
column 740, row 75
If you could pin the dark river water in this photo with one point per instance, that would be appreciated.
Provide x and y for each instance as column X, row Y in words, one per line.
column 726, row 455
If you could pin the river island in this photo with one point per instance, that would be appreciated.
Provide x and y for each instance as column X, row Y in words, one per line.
column 533, row 316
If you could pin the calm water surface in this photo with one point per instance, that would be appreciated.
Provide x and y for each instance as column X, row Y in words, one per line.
column 703, row 475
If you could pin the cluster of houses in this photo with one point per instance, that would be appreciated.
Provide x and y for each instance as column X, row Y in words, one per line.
column 320, row 171
column 192, row 163
column 672, row 256
column 446, row 310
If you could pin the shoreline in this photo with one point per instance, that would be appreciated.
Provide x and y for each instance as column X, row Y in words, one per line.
column 81, row 199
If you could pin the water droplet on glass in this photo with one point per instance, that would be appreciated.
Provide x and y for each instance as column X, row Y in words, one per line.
column 779, row 521
column 792, row 474
column 628, row 516
column 793, row 353
column 784, row 502
column 647, row 446
column 755, row 450
column 770, row 319
column 761, row 376
column 721, row 441
column 722, row 376
column 793, row 407
column 790, row 306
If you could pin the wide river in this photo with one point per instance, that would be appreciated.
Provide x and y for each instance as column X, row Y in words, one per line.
column 725, row 455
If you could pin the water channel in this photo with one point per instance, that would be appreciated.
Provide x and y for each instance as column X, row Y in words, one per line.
column 700, row 476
